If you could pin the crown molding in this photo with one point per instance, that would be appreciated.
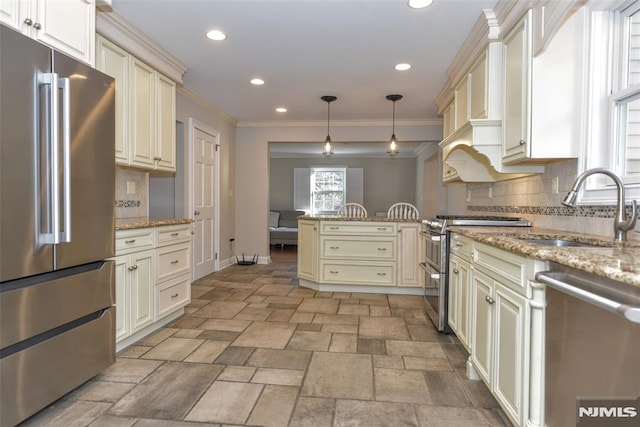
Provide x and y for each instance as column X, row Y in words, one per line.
column 113, row 26
column 194, row 97
column 340, row 123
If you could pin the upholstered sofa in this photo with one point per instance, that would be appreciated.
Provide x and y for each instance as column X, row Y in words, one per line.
column 283, row 227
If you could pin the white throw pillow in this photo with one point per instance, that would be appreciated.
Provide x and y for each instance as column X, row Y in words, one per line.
column 274, row 217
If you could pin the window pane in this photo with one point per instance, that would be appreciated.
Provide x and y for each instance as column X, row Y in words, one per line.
column 328, row 190
column 632, row 148
column 634, row 50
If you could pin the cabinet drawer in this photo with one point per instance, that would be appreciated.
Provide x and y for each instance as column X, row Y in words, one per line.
column 461, row 246
column 506, row 267
column 170, row 234
column 173, row 260
column 129, row 241
column 383, row 249
column 358, row 273
column 172, row 295
column 358, row 228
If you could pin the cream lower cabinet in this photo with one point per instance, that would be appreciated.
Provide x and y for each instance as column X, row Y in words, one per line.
column 506, row 316
column 459, row 302
column 135, row 280
column 308, row 258
column 134, row 293
column 173, row 269
column 410, row 249
column 152, row 279
column 358, row 253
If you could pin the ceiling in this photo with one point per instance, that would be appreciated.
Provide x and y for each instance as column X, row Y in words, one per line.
column 304, row 49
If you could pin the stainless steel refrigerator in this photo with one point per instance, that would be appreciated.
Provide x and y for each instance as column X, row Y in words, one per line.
column 57, row 206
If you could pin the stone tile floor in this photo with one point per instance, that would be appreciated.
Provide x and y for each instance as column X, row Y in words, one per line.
column 253, row 348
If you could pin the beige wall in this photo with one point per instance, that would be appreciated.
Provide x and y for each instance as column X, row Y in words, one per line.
column 252, row 168
column 190, row 106
column 386, row 181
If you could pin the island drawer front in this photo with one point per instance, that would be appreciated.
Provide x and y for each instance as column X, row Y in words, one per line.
column 173, row 260
column 461, row 246
column 358, row 273
column 506, row 267
column 170, row 234
column 138, row 239
column 383, row 249
column 367, row 228
column 172, row 294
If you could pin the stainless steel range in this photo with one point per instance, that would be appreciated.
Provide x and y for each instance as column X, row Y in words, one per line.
column 436, row 265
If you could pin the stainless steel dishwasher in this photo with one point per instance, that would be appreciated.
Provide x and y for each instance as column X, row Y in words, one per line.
column 592, row 350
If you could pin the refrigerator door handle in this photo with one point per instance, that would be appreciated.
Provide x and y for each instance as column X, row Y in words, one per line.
column 52, row 235
column 65, row 235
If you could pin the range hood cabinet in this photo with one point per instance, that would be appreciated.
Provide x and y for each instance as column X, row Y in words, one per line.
column 473, row 153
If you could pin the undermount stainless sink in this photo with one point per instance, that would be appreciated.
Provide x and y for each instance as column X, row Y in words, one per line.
column 560, row 243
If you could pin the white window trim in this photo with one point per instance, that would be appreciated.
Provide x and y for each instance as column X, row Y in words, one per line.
column 601, row 147
column 312, row 171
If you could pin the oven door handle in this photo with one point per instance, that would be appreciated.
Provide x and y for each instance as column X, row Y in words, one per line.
column 431, row 236
column 430, row 271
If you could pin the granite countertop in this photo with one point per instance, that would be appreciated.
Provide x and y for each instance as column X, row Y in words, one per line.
column 367, row 219
column 146, row 222
column 611, row 259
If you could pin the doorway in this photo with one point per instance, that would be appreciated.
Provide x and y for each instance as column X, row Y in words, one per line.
column 204, row 183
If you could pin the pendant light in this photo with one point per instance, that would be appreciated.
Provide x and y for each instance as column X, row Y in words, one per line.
column 327, row 150
column 392, row 151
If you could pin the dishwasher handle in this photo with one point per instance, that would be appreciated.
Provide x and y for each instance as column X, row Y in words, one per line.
column 629, row 312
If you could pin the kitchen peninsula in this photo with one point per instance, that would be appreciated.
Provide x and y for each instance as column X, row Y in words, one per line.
column 372, row 254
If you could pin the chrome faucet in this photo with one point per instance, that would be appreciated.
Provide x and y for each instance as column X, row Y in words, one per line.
column 621, row 224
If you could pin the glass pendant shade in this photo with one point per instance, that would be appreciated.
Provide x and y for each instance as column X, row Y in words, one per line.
column 393, row 151
column 327, row 149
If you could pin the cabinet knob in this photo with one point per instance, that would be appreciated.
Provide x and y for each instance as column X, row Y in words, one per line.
column 196, row 213
column 522, row 142
column 133, row 267
column 489, row 299
column 28, row 21
column 157, row 158
column 37, row 26
column 455, row 271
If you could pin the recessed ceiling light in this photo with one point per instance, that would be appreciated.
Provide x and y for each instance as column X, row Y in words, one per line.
column 419, row 4
column 257, row 82
column 216, row 35
column 281, row 110
column 402, row 67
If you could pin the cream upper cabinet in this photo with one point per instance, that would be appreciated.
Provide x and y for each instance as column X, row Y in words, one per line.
column 448, row 120
column 68, row 26
column 142, row 114
column 145, row 110
column 114, row 61
column 517, row 92
column 544, row 95
column 461, row 101
column 165, row 150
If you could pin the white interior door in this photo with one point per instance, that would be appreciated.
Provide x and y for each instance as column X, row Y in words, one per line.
column 204, row 172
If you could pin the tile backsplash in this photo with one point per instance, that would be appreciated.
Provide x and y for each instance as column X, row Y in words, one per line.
column 532, row 197
column 136, row 203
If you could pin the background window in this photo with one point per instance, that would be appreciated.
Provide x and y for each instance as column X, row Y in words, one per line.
column 328, row 188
